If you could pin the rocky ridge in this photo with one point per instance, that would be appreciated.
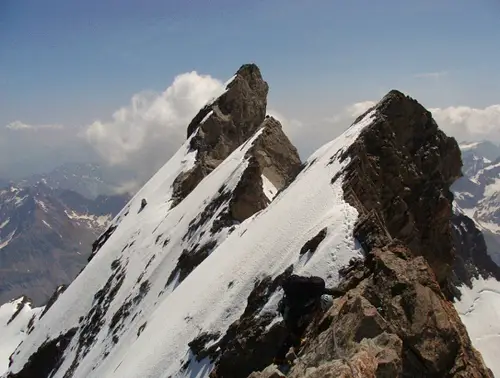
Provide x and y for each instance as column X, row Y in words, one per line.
column 226, row 123
column 396, row 319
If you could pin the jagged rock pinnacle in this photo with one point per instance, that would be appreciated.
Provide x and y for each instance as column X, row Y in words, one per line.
column 229, row 121
column 243, row 104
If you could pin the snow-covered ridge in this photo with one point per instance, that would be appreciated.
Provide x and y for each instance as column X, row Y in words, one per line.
column 151, row 340
column 15, row 317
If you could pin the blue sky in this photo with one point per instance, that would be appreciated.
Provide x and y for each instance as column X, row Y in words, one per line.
column 71, row 62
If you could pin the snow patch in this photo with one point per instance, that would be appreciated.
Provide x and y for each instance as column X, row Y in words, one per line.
column 99, row 221
column 493, row 188
column 479, row 309
column 18, row 201
column 207, row 116
column 42, row 205
column 4, row 223
column 269, row 189
column 7, row 240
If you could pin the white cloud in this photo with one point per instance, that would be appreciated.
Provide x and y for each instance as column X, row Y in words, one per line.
column 18, row 125
column 467, row 123
column 432, row 75
column 144, row 134
column 355, row 110
column 290, row 126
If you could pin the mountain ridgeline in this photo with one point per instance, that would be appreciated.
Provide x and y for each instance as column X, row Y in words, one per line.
column 187, row 279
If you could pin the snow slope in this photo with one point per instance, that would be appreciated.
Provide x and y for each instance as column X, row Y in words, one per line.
column 13, row 329
column 479, row 306
column 145, row 318
column 479, row 309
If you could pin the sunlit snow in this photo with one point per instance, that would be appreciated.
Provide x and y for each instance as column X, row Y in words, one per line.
column 479, row 309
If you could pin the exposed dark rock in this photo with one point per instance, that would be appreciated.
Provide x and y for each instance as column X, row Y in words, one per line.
column 397, row 318
column 96, row 245
column 300, row 290
column 141, row 329
column 53, row 298
column 312, row 244
column 472, row 259
column 271, row 371
column 46, row 359
column 199, row 345
column 24, row 301
column 235, row 116
column 399, row 176
column 189, row 260
column 247, row 345
column 229, row 122
column 143, row 204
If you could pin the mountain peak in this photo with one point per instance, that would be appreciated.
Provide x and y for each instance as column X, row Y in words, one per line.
column 226, row 123
column 242, row 105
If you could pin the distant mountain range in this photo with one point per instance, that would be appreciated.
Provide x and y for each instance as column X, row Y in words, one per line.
column 46, row 230
column 478, row 192
column 88, row 179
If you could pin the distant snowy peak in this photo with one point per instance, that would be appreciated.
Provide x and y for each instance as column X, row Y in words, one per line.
column 45, row 236
column 478, row 192
column 484, row 149
column 87, row 179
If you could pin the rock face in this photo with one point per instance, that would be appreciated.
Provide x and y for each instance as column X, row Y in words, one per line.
column 396, row 319
column 472, row 259
column 399, row 177
column 223, row 125
column 395, row 322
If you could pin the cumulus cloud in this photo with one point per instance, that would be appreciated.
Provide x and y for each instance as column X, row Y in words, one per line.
column 20, row 126
column 467, row 123
column 355, row 110
column 144, row 134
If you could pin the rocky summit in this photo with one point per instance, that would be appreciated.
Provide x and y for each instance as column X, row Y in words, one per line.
column 237, row 260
